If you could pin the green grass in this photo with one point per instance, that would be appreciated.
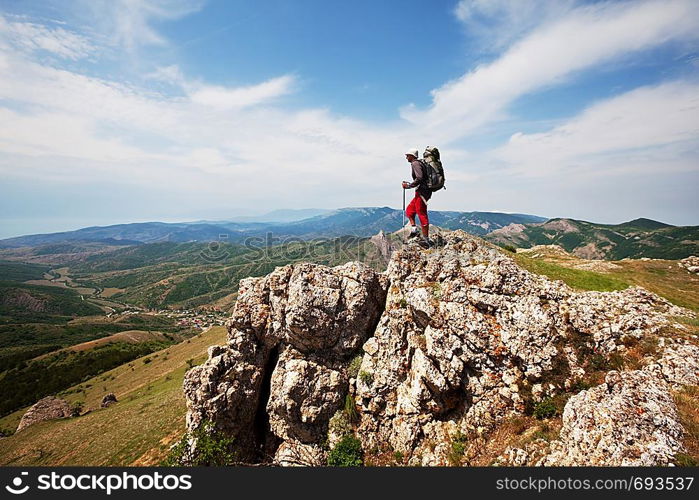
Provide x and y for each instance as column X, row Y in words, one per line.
column 575, row 278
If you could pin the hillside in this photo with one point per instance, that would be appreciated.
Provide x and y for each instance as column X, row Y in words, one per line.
column 187, row 275
column 666, row 278
column 21, row 302
column 634, row 239
column 136, row 431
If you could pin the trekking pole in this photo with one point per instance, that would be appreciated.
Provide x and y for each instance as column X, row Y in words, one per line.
column 403, row 209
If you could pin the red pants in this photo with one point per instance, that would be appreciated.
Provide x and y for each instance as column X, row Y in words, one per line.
column 417, row 206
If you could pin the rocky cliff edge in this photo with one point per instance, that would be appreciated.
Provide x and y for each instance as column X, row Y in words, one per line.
column 445, row 345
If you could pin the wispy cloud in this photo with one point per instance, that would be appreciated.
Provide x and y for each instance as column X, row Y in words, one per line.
column 586, row 37
column 130, row 23
column 241, row 97
column 191, row 136
column 495, row 24
column 646, row 126
column 31, row 37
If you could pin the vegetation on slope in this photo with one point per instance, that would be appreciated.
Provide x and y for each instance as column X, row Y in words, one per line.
column 138, row 430
column 20, row 271
column 20, row 302
column 32, row 380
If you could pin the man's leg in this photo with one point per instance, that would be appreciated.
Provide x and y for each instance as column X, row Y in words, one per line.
column 410, row 212
column 421, row 209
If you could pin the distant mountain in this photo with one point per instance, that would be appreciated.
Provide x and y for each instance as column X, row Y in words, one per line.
column 284, row 215
column 346, row 221
column 129, row 234
column 633, row 239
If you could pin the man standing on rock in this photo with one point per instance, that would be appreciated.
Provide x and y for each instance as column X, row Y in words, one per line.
column 418, row 206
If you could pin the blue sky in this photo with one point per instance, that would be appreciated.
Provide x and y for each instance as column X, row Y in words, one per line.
column 118, row 111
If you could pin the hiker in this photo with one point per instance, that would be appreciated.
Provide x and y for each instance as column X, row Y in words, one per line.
column 418, row 205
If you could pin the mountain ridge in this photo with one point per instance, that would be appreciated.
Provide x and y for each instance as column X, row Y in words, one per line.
column 633, row 239
column 356, row 221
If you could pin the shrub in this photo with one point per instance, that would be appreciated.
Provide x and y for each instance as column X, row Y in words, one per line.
column 353, row 368
column 351, row 409
column 347, row 453
column 339, row 424
column 211, row 448
column 366, row 377
column 457, row 449
column 686, row 460
column 546, row 409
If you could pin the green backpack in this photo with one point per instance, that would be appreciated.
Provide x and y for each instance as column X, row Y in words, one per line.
column 434, row 171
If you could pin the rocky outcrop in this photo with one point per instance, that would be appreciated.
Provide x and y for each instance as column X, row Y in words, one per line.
column 678, row 365
column 383, row 245
column 629, row 420
column 282, row 375
column 48, row 408
column 691, row 264
column 108, row 400
column 452, row 341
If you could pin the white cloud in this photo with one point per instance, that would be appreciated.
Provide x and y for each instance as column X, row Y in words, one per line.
column 168, row 74
column 240, row 97
column 213, row 144
column 649, row 125
column 588, row 36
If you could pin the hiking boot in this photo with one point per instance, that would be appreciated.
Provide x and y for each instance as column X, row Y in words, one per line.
column 426, row 242
column 414, row 232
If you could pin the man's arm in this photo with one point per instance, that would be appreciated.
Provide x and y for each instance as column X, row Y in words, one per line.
column 418, row 173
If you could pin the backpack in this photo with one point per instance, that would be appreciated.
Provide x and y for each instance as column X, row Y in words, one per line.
column 434, row 171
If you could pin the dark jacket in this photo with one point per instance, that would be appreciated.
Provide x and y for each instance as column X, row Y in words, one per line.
column 419, row 180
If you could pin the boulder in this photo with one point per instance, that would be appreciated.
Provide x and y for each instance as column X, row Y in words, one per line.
column 108, row 400
column 48, row 408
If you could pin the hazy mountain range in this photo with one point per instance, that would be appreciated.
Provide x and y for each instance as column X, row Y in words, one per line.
column 279, row 224
column 634, row 239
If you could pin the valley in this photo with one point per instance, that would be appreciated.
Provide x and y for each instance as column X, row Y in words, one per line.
column 131, row 319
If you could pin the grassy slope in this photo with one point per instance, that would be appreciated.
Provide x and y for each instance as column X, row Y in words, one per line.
column 138, row 430
column 663, row 277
